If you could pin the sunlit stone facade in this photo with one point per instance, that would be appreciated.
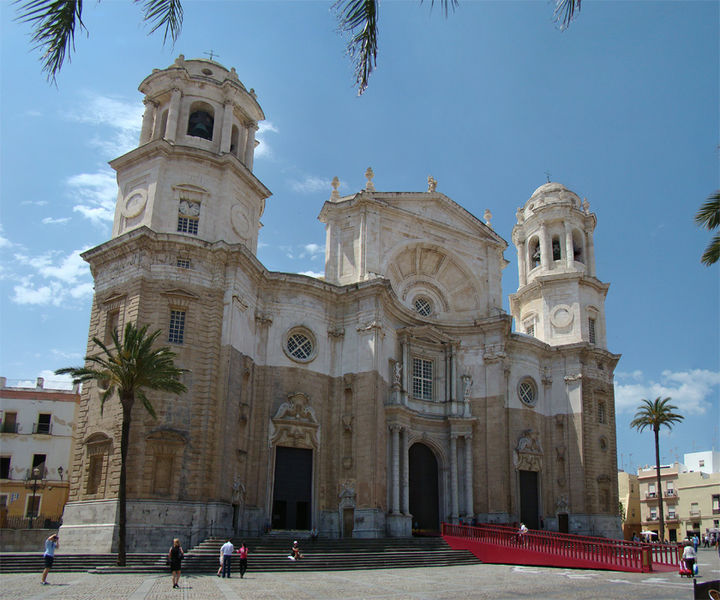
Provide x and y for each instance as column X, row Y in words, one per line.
column 389, row 396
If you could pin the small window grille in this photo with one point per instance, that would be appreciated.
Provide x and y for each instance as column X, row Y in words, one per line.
column 176, row 331
column 423, row 306
column 183, row 263
column 300, row 346
column 591, row 330
column 530, row 328
column 527, row 392
column 601, row 412
column 187, row 225
column 422, row 378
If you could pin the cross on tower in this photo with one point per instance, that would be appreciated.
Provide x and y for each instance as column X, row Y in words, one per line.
column 211, row 54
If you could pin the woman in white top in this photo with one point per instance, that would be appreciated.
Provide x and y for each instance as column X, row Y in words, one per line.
column 689, row 556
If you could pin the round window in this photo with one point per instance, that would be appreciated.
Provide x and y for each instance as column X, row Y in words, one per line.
column 300, row 345
column 423, row 306
column 527, row 390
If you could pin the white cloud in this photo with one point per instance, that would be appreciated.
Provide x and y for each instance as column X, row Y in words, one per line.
column 263, row 149
column 313, row 251
column 316, row 274
column 96, row 193
column 122, row 117
column 53, row 221
column 64, row 278
column 63, row 354
column 691, row 391
column 51, row 381
column 311, row 185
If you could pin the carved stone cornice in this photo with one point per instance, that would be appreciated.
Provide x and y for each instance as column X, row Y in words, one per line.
column 263, row 319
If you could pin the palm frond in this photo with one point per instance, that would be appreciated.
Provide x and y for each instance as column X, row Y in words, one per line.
column 446, row 5
column 655, row 414
column 565, row 12
column 708, row 215
column 359, row 19
column 712, row 252
column 164, row 13
column 53, row 24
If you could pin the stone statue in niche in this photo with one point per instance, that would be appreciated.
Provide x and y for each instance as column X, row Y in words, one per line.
column 528, row 453
column 397, row 373
column 467, row 382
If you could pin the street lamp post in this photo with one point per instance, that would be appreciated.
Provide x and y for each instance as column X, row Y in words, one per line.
column 34, row 482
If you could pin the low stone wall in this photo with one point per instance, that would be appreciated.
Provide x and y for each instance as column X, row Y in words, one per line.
column 24, row 540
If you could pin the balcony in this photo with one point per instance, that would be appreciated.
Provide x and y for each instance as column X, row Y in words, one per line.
column 695, row 512
column 42, row 428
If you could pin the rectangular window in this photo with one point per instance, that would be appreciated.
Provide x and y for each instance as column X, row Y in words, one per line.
column 44, row 424
column 653, row 514
column 9, row 424
column 177, row 327
column 112, row 322
column 716, row 504
column 38, row 461
column 671, row 513
column 601, row 412
column 183, row 263
column 694, row 509
column 32, row 508
column 422, row 379
column 591, row 330
column 701, row 463
column 94, row 473
column 530, row 329
column 4, row 467
column 188, row 225
column 651, row 490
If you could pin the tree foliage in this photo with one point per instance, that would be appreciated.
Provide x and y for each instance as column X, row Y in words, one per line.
column 655, row 414
column 708, row 216
column 126, row 368
column 54, row 23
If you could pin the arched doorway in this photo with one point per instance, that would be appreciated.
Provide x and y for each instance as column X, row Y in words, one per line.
column 292, row 492
column 423, row 492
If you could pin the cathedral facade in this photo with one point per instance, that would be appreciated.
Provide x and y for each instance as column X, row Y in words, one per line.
column 381, row 400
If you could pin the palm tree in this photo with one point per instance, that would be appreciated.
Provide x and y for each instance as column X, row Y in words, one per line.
column 709, row 217
column 655, row 414
column 54, row 23
column 128, row 368
column 359, row 19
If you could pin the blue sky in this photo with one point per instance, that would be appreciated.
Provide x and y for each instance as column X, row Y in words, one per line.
column 622, row 108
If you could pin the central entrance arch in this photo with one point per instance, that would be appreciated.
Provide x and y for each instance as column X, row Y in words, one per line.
column 423, row 492
column 292, row 492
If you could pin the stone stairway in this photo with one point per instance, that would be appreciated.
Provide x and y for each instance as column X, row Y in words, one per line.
column 267, row 554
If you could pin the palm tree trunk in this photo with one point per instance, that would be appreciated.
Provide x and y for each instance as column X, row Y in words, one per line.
column 122, row 518
column 661, row 514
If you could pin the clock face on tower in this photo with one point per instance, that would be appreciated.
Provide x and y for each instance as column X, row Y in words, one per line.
column 191, row 209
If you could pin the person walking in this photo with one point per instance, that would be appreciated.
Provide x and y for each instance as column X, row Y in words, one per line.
column 175, row 556
column 49, row 557
column 689, row 556
column 226, row 551
column 243, row 553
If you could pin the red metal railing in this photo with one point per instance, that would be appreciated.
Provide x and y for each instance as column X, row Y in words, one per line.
column 502, row 544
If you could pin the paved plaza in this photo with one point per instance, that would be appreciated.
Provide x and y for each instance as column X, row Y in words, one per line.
column 442, row 583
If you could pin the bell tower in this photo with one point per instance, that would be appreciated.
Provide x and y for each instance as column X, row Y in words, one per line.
column 191, row 173
column 559, row 299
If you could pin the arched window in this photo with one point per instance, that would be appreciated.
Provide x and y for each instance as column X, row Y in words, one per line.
column 234, row 137
column 163, row 125
column 201, row 121
column 534, row 248
column 556, row 250
column 578, row 255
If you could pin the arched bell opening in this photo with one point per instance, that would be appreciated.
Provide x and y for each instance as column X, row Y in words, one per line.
column 201, row 121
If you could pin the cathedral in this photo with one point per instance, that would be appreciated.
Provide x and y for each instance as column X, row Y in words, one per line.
column 383, row 399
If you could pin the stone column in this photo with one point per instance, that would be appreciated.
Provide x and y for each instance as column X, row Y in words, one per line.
column 148, row 121
column 590, row 254
column 395, row 436
column 406, row 376
column 453, row 478
column 405, row 496
column 522, row 273
column 173, row 115
column 545, row 249
column 469, row 509
column 569, row 253
column 226, row 134
column 250, row 146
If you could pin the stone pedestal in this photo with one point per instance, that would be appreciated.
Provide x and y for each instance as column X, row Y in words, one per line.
column 399, row 525
column 369, row 523
column 91, row 525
